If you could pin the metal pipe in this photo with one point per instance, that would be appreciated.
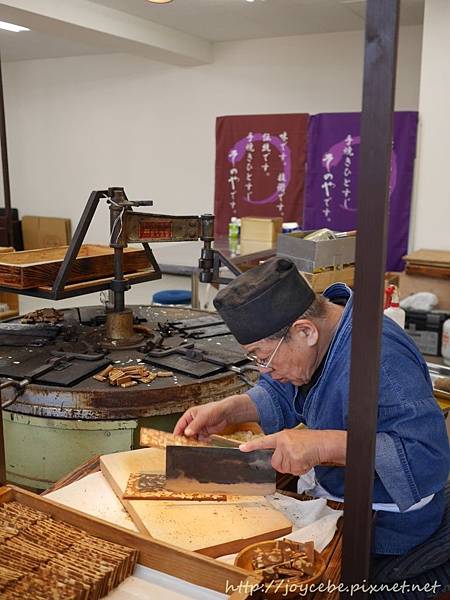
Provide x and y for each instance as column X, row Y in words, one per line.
column 119, row 295
column 5, row 167
column 9, row 402
column 19, row 385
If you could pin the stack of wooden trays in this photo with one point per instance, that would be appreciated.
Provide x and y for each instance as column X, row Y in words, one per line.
column 42, row 558
column 182, row 564
column 429, row 263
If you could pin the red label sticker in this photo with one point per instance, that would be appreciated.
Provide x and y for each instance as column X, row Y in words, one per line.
column 161, row 230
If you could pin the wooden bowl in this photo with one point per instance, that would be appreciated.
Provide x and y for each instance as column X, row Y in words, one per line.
column 285, row 590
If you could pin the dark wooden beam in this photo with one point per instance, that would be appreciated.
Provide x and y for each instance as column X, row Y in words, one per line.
column 2, row 447
column 5, row 167
column 375, row 161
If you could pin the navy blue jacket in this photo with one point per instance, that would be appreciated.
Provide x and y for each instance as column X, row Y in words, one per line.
column 412, row 450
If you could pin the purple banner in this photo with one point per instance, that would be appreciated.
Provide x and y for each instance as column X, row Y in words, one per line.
column 332, row 177
column 260, row 167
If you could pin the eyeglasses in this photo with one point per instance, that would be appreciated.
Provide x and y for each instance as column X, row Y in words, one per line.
column 265, row 364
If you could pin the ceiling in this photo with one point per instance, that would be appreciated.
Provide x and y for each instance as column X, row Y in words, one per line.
column 230, row 20
column 28, row 45
column 210, row 20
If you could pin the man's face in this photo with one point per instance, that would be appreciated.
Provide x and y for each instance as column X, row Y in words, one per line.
column 294, row 361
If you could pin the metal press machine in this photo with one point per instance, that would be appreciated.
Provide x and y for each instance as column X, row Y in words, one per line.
column 55, row 414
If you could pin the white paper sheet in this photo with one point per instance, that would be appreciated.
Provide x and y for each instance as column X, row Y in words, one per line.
column 312, row 520
column 148, row 584
column 93, row 495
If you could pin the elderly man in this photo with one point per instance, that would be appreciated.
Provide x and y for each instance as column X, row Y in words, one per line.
column 301, row 343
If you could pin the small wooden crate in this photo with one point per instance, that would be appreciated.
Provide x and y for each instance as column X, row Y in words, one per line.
column 189, row 566
column 34, row 268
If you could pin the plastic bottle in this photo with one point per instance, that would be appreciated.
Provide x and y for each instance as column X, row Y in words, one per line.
column 388, row 296
column 394, row 311
column 238, row 222
column 445, row 347
column 233, row 229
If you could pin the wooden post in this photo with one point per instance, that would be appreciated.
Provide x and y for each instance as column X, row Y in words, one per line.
column 5, row 167
column 375, row 163
column 2, row 448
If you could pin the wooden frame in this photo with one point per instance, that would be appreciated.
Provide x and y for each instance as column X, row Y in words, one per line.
column 190, row 566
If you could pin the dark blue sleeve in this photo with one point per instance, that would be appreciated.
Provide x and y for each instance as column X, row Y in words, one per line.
column 275, row 404
column 412, row 450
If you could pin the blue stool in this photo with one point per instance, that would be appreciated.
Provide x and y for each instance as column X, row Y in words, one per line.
column 172, row 297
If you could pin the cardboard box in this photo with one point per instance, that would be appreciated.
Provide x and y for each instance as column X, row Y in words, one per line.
column 320, row 281
column 310, row 255
column 45, row 232
column 410, row 284
column 260, row 229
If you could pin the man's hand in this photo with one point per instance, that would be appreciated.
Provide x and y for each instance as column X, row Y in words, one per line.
column 202, row 421
column 299, row 450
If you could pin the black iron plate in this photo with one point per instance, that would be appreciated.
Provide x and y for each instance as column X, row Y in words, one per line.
column 24, row 363
column 208, row 332
column 24, row 330
column 199, row 322
column 177, row 362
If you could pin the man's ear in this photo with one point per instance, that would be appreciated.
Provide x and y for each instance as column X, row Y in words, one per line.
column 307, row 330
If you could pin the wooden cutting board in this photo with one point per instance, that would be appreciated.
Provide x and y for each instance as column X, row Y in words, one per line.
column 214, row 529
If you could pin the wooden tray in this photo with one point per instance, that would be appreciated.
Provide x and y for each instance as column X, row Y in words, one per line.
column 34, row 268
column 189, row 566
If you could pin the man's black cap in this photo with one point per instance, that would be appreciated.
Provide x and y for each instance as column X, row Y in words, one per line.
column 263, row 300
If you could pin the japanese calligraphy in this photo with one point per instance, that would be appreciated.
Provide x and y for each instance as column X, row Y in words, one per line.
column 260, row 150
column 327, row 184
column 348, row 155
column 249, row 149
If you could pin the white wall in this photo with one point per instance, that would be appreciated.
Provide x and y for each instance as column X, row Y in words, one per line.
column 84, row 123
column 431, row 221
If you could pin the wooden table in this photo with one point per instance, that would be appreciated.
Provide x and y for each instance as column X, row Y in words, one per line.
column 331, row 554
column 182, row 258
